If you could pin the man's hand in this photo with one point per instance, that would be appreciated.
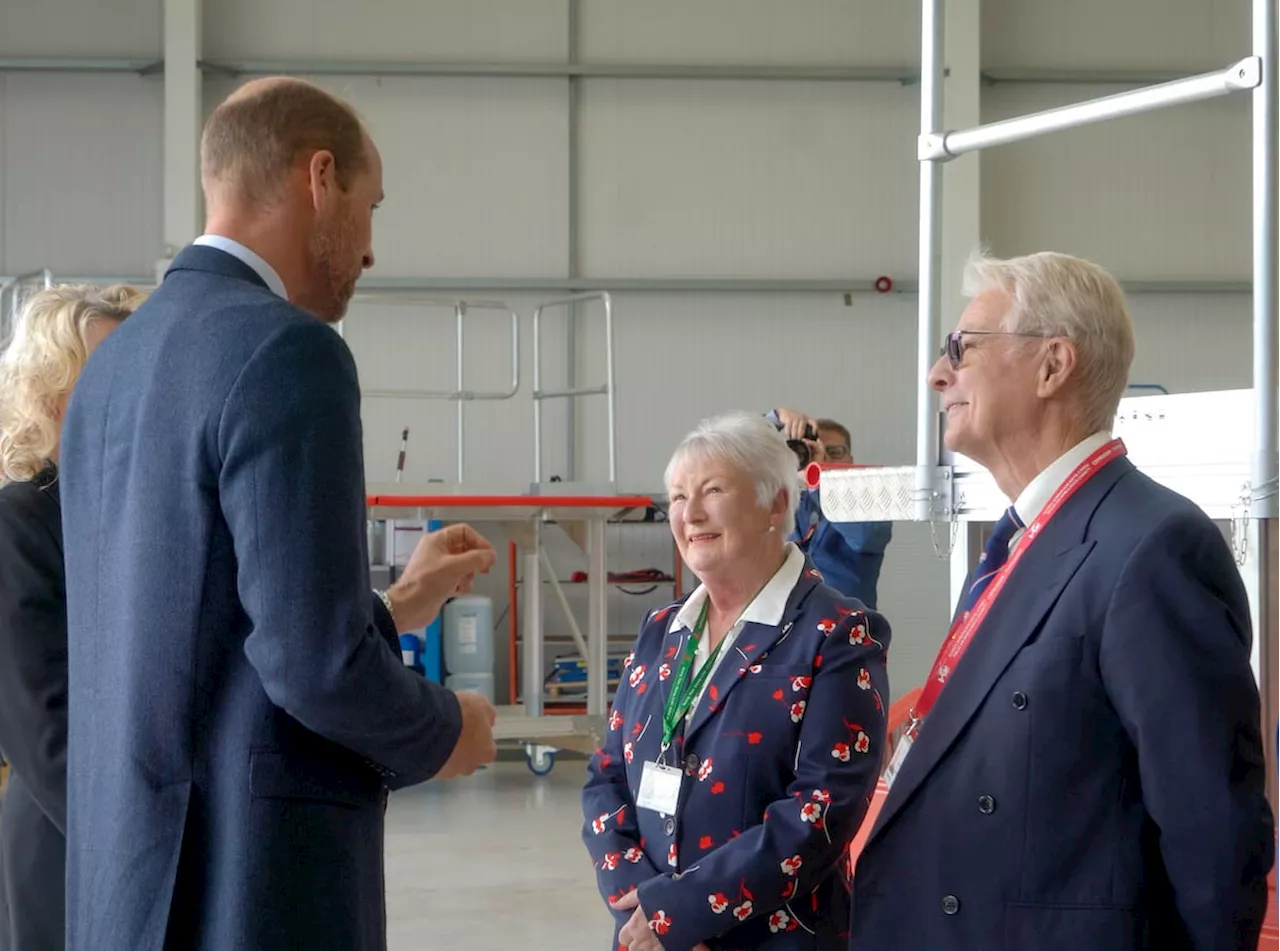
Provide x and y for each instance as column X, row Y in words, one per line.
column 475, row 746
column 637, row 934
column 444, row 564
column 794, row 424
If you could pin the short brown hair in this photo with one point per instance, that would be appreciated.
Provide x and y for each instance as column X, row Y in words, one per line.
column 832, row 426
column 255, row 136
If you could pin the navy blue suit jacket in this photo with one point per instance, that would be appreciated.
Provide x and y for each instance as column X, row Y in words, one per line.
column 781, row 757
column 1091, row 775
column 237, row 707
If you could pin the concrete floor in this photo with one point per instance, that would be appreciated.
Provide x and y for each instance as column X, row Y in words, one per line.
column 493, row 862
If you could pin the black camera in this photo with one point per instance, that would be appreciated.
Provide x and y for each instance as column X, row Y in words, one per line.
column 803, row 455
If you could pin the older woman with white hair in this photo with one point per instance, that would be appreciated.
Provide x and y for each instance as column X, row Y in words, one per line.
column 745, row 739
column 55, row 334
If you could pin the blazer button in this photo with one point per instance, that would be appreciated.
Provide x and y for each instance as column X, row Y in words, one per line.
column 1019, row 700
column 986, row 805
column 691, row 762
column 669, row 827
column 950, row 905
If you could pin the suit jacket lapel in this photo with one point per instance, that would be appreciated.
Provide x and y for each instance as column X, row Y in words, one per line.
column 1030, row 593
column 752, row 643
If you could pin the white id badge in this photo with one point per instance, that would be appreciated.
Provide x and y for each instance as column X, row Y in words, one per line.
column 660, row 788
column 899, row 755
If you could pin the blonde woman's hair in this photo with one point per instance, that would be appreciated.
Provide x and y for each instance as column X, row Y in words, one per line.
column 40, row 365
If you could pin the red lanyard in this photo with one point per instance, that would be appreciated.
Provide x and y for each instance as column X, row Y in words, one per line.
column 966, row 626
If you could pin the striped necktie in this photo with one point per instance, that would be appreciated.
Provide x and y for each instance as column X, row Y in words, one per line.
column 994, row 554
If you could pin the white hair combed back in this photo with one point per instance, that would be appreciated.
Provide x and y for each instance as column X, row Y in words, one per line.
column 1057, row 295
column 751, row 444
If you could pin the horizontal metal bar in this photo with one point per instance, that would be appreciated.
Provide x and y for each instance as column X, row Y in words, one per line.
column 456, row 396
column 400, row 290
column 1245, row 74
column 744, row 71
column 578, row 391
column 64, row 64
column 1011, row 75
column 629, row 284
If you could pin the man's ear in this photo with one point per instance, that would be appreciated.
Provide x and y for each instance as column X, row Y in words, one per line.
column 321, row 178
column 1057, row 367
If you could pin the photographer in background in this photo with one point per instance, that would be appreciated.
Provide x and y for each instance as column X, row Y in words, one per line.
column 849, row 554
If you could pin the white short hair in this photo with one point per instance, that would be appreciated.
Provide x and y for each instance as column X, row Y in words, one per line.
column 751, row 444
column 1062, row 296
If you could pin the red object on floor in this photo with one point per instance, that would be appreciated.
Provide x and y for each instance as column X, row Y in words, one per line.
column 1271, row 924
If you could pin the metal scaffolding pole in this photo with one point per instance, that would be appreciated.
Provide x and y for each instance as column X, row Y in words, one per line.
column 1262, row 563
column 928, row 425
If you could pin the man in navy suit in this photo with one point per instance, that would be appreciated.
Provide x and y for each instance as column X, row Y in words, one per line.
column 238, row 705
column 1086, row 770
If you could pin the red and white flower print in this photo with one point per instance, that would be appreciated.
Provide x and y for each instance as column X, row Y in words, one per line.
column 858, row 634
column 610, row 861
column 628, row 751
column 801, row 683
column 633, row 855
column 821, row 795
column 597, row 825
column 755, row 668
column 864, row 679
column 743, row 911
column 826, row 625
column 780, row 921
column 672, row 856
column 719, row 903
column 664, row 672
column 863, row 742
column 627, row 660
column 811, row 812
column 797, row 711
column 637, row 675
column 615, row 721
column 792, row 865
column 705, row 770
column 660, row 923
column 840, row 751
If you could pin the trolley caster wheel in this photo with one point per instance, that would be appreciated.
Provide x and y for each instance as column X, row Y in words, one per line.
column 541, row 761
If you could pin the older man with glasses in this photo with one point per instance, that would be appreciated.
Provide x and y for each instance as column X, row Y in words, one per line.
column 1084, row 767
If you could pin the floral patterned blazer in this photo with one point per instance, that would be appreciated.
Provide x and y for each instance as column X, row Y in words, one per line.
column 780, row 755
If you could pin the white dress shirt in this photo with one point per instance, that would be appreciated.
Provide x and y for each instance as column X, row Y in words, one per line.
column 1039, row 491
column 251, row 258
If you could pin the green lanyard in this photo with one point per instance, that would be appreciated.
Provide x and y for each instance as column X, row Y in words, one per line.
column 683, row 691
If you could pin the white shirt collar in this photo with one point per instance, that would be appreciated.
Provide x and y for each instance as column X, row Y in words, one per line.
column 1040, row 489
column 251, row 258
column 767, row 607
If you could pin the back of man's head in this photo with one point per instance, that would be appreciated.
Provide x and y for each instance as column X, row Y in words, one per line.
column 258, row 134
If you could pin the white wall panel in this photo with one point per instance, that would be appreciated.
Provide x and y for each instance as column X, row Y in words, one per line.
column 1103, row 34
column 485, row 30
column 857, row 32
column 408, row 346
column 474, row 171
column 1162, row 195
column 80, row 173
column 124, row 28
column 747, row 179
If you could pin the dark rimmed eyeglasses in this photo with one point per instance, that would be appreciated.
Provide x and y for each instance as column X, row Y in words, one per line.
column 953, row 348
